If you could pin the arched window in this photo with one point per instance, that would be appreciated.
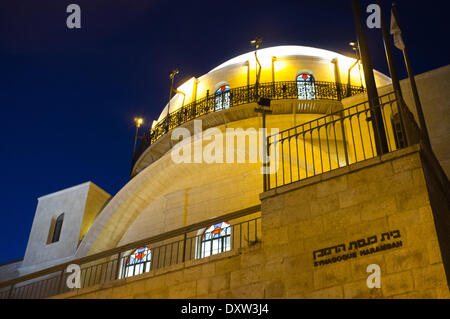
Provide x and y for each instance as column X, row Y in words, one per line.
column 215, row 240
column 305, row 87
column 55, row 228
column 138, row 262
column 222, row 98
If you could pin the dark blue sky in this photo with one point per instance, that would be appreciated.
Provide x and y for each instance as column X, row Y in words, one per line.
column 68, row 97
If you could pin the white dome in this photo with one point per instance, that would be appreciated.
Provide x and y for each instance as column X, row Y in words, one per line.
column 283, row 50
column 218, row 75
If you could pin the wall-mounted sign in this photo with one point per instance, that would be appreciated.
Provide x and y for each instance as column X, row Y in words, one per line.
column 356, row 248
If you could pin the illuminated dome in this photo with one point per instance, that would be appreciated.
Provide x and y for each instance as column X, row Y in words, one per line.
column 284, row 51
column 280, row 63
column 297, row 79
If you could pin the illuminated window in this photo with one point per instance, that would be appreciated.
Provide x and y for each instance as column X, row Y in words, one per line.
column 305, row 87
column 138, row 262
column 222, row 98
column 215, row 240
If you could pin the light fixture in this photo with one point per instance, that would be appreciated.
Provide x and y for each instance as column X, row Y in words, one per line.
column 138, row 121
column 171, row 76
column 355, row 47
column 173, row 73
column 256, row 41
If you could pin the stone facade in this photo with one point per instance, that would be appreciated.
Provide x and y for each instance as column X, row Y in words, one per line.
column 380, row 195
column 394, row 194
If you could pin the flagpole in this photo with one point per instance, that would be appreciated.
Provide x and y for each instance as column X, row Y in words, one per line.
column 392, row 69
column 389, row 54
column 423, row 126
column 372, row 93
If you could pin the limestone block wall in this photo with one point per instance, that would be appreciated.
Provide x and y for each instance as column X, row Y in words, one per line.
column 352, row 204
column 234, row 274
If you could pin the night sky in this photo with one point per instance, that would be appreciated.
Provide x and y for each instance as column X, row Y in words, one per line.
column 68, row 96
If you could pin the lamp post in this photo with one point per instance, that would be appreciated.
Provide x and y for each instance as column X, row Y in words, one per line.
column 263, row 107
column 355, row 46
column 171, row 76
column 138, row 121
column 257, row 42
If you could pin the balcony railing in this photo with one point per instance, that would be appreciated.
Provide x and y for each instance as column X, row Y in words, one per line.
column 161, row 251
column 246, row 94
column 337, row 140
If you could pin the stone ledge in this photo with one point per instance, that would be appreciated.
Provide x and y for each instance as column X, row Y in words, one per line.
column 153, row 273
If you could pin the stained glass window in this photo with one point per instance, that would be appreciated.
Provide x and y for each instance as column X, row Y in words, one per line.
column 138, row 262
column 222, row 98
column 215, row 240
column 305, row 86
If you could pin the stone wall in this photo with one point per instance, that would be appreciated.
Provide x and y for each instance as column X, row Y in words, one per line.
column 353, row 203
column 356, row 202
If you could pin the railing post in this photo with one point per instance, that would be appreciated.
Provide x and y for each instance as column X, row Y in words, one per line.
column 184, row 247
column 193, row 112
column 339, row 91
column 61, row 282
column 344, row 140
column 266, row 165
column 118, row 266
column 10, row 291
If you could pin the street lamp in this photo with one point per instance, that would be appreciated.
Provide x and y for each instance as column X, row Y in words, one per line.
column 256, row 42
column 138, row 121
column 171, row 76
column 263, row 107
column 355, row 47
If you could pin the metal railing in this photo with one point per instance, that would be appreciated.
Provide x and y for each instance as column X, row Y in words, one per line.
column 337, row 140
column 167, row 249
column 317, row 90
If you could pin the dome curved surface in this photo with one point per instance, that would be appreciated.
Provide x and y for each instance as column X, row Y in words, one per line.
column 283, row 51
column 279, row 63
